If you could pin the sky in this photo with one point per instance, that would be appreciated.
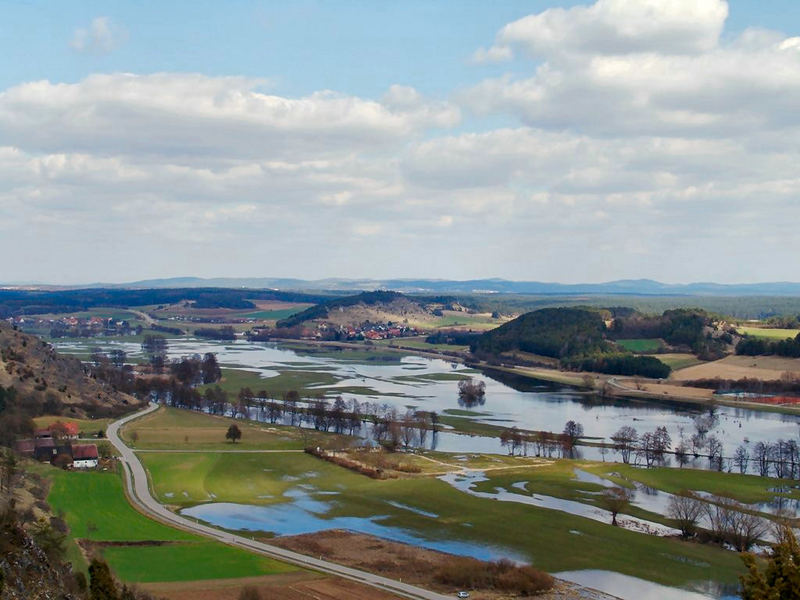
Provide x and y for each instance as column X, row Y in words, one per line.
column 550, row 141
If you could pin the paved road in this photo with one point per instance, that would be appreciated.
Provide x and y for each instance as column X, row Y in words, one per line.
column 140, row 495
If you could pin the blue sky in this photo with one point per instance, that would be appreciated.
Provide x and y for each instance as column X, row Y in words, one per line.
column 356, row 47
column 610, row 139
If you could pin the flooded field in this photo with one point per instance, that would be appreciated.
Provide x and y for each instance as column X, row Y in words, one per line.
column 431, row 384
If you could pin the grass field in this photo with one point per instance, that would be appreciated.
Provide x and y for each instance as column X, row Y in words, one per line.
column 679, row 360
column 419, row 343
column 189, row 430
column 641, row 345
column 95, row 508
column 773, row 334
column 552, row 540
column 85, row 426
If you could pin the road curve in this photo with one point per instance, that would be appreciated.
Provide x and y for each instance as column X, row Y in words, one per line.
column 140, row 495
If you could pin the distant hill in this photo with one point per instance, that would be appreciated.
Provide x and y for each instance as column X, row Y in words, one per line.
column 17, row 302
column 636, row 287
column 375, row 307
column 49, row 383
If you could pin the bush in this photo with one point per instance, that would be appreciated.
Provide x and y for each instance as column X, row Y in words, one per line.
column 502, row 575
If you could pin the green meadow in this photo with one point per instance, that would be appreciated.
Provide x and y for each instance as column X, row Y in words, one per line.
column 96, row 509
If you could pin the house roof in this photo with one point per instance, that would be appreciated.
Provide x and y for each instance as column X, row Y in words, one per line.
column 45, row 443
column 84, row 451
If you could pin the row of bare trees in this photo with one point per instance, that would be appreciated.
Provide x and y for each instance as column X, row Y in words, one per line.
column 725, row 520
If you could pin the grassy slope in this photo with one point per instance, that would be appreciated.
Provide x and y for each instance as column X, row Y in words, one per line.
column 95, row 508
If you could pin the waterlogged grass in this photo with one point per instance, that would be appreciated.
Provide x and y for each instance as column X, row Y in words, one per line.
column 744, row 488
column 189, row 479
column 95, row 508
column 552, row 540
column 641, row 345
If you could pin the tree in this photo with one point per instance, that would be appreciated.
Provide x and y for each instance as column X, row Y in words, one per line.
column 624, row 442
column 780, row 577
column 714, row 452
column 573, row 430
column 210, row 368
column 101, row 583
column 740, row 458
column 234, row 433
column 685, row 509
column 471, row 392
column 615, row 500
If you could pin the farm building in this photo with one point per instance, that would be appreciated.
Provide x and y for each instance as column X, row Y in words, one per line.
column 84, row 456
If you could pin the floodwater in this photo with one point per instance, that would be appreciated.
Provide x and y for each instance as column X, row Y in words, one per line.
column 306, row 513
column 633, row 588
column 411, row 381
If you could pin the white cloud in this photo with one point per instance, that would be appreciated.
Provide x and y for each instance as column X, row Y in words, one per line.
column 193, row 114
column 492, row 54
column 102, row 36
column 620, row 27
column 619, row 68
column 641, row 143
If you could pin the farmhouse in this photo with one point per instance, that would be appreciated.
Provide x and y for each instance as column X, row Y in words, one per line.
column 58, row 430
column 84, row 456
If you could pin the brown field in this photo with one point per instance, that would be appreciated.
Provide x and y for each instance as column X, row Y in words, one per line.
column 291, row 586
column 737, row 367
column 403, row 562
column 277, row 305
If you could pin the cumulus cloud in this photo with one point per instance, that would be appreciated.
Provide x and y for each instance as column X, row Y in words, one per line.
column 620, row 27
column 194, row 114
column 633, row 68
column 102, row 36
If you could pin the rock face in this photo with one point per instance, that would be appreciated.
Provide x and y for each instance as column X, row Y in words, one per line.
column 26, row 573
column 39, row 373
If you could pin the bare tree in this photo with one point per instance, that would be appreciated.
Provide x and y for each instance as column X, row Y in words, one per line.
column 615, row 500
column 625, row 441
column 685, row 509
column 740, row 458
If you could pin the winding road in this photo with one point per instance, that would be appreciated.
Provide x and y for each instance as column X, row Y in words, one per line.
column 140, row 495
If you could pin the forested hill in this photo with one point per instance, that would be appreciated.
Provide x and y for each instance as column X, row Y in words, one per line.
column 31, row 302
column 575, row 336
column 555, row 332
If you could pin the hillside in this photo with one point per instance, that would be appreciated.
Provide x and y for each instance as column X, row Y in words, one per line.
column 51, row 383
column 375, row 307
column 555, row 332
column 574, row 336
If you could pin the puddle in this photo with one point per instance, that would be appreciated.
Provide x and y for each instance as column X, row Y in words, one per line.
column 465, row 482
column 633, row 588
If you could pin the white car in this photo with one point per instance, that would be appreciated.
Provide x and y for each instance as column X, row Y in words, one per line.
column 462, row 595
